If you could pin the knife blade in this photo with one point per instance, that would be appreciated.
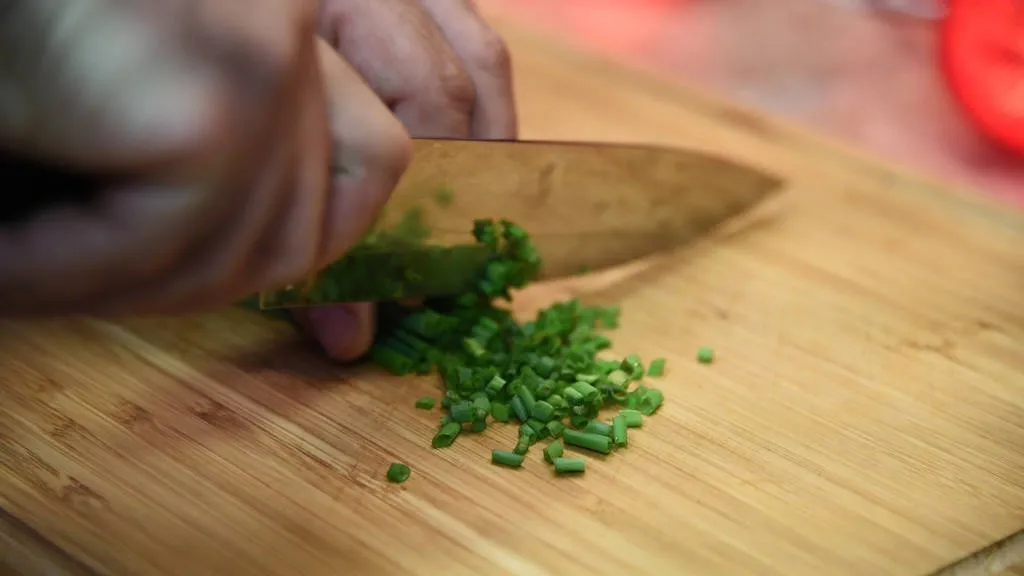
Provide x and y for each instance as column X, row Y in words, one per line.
column 585, row 205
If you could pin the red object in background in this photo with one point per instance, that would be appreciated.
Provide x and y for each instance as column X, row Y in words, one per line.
column 983, row 61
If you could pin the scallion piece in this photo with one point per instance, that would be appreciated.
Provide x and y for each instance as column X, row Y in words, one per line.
column 555, row 428
column 598, row 427
column 446, row 436
column 633, row 418
column 519, row 409
column 657, row 368
column 426, row 403
column 527, row 399
column 587, row 441
column 570, row 466
column 553, row 451
column 620, row 437
column 507, row 458
column 398, row 473
column 499, row 411
column 651, row 401
column 705, row 355
column 542, row 411
column 463, row 412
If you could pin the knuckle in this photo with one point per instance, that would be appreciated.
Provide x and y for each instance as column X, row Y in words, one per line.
column 457, row 86
column 492, row 55
column 390, row 152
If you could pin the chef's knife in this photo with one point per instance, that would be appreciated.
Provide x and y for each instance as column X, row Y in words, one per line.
column 586, row 206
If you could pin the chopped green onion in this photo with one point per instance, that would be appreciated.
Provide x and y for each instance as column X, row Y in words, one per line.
column 587, row 441
column 506, row 458
column 705, row 355
column 553, row 451
column 444, row 196
column 543, row 374
column 526, row 398
column 633, row 418
column 657, row 368
column 519, row 409
column 446, row 436
column 523, row 445
column 598, row 427
column 651, row 401
column 555, row 428
column 463, row 412
column 398, row 473
column 570, row 466
column 542, row 411
column 619, row 436
column 499, row 411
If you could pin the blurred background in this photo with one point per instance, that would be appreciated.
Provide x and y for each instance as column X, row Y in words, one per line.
column 864, row 71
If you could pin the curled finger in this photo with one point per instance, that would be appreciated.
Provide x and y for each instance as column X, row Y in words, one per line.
column 486, row 60
column 370, row 152
column 404, row 57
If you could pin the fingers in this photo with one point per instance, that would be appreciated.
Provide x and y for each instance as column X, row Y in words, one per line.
column 66, row 95
column 273, row 236
column 406, row 60
column 486, row 60
column 345, row 332
column 371, row 152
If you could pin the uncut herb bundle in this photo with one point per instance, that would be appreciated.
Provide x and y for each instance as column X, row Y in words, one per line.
column 544, row 375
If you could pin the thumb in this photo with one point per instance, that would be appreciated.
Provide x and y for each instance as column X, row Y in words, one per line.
column 100, row 85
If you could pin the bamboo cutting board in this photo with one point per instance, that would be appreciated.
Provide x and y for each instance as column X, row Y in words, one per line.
column 865, row 414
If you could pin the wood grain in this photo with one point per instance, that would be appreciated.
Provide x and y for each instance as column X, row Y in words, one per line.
column 865, row 414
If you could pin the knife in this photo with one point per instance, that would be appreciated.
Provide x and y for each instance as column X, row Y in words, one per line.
column 587, row 206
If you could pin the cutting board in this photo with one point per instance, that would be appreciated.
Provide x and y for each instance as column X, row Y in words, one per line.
column 865, row 414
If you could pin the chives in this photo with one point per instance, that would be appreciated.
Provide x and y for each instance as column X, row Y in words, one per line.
column 398, row 473
column 446, row 436
column 570, row 466
column 619, row 437
column 657, row 368
column 553, row 451
column 587, row 441
column 633, row 418
column 544, row 374
column 506, row 458
column 598, row 427
column 705, row 355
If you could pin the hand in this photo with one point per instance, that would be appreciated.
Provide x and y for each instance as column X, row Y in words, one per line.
column 216, row 112
column 443, row 71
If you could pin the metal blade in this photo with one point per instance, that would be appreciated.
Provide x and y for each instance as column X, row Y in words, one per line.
column 586, row 206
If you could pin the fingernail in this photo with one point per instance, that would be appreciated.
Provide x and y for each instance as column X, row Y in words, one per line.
column 337, row 329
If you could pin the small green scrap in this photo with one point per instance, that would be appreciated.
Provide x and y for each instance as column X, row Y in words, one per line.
column 444, row 196
column 398, row 473
column 553, row 451
column 425, row 403
column 657, row 368
column 705, row 355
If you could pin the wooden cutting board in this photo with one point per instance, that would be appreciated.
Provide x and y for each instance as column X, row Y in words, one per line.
column 865, row 414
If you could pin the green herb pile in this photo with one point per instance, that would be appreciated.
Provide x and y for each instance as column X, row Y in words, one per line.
column 544, row 375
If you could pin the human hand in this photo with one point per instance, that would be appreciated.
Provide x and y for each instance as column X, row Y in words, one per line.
column 443, row 71
column 215, row 115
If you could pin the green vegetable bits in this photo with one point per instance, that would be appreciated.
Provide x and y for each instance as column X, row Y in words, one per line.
column 545, row 376
column 398, row 473
column 705, row 355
